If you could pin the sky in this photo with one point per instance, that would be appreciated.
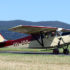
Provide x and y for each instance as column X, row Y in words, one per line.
column 35, row 10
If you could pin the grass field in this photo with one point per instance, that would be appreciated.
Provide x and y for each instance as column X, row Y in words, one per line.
column 10, row 61
column 34, row 62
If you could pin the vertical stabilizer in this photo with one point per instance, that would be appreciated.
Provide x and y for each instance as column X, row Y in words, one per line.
column 2, row 39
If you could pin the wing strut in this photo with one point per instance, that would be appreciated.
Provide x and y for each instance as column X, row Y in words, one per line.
column 42, row 36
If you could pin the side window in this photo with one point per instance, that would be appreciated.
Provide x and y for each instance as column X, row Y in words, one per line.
column 50, row 34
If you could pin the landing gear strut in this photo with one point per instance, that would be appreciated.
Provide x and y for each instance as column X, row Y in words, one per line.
column 66, row 50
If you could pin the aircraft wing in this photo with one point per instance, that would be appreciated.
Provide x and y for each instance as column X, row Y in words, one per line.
column 34, row 29
column 66, row 30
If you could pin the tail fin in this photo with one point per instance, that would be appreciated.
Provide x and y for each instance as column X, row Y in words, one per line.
column 2, row 39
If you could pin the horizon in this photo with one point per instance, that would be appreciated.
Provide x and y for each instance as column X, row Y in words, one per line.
column 36, row 21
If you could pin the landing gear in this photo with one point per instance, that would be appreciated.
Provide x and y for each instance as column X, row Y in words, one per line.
column 66, row 51
column 55, row 51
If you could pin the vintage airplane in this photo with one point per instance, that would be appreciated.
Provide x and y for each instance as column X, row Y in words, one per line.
column 43, row 37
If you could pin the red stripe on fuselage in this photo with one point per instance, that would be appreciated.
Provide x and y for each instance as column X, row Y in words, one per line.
column 11, row 42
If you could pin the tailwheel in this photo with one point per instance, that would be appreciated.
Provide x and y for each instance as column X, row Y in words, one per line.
column 66, row 51
column 55, row 51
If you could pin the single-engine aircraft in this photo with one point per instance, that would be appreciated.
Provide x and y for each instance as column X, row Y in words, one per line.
column 44, row 37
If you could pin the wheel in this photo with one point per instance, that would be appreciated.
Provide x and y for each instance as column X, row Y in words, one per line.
column 66, row 51
column 55, row 51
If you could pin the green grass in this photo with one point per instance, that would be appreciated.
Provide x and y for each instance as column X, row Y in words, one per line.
column 29, row 50
column 23, row 49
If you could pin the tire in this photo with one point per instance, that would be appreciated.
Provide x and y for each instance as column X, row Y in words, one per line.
column 55, row 51
column 66, row 51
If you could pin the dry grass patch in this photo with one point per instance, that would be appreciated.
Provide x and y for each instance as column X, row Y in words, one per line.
column 34, row 62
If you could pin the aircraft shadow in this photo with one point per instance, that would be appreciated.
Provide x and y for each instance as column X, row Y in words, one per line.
column 39, row 53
